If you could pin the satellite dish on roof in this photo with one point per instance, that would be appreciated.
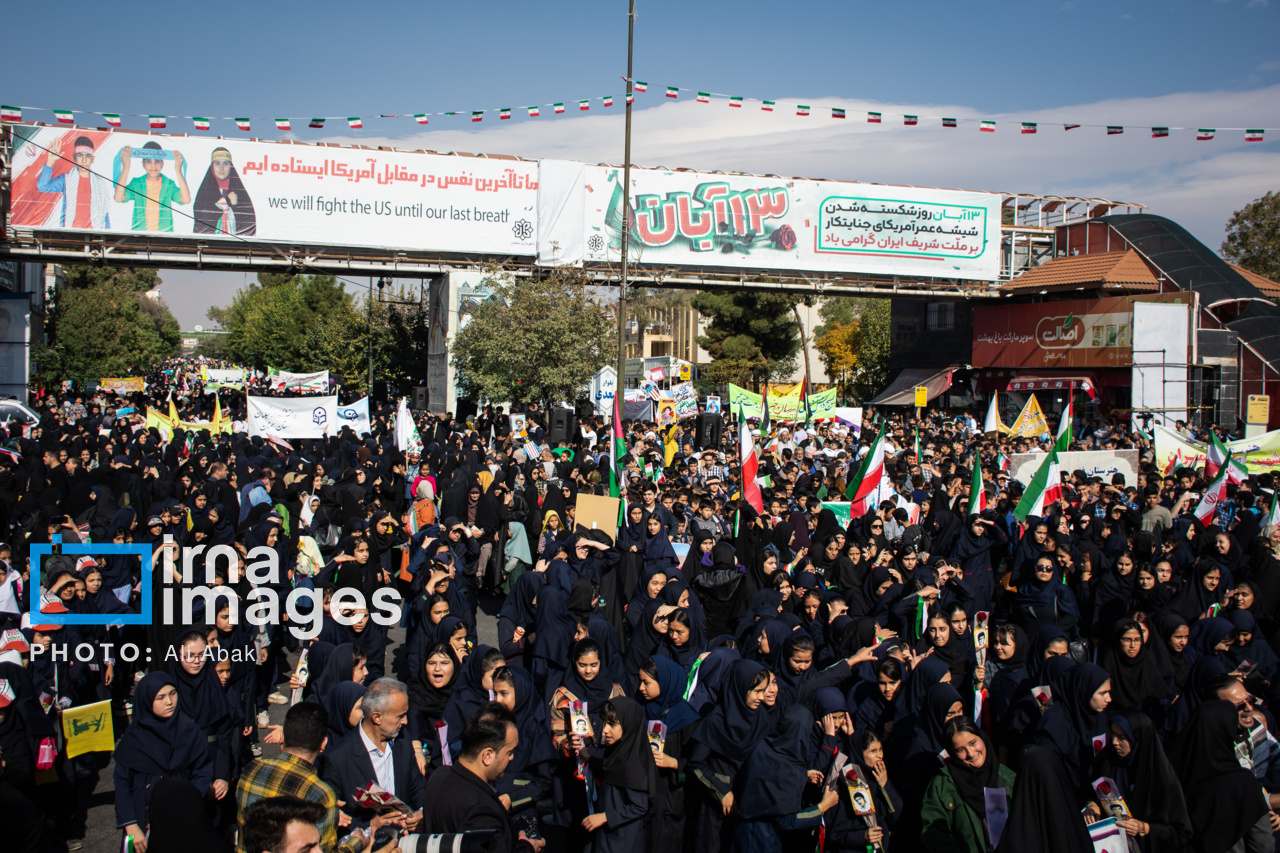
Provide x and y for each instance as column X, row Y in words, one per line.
column 199, row 328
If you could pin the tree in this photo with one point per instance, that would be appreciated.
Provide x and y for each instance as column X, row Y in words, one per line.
column 269, row 323
column 538, row 340
column 1253, row 237
column 106, row 321
column 854, row 343
column 756, row 335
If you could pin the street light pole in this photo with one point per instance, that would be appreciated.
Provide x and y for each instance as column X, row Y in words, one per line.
column 620, row 386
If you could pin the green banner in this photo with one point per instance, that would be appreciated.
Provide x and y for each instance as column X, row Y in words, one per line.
column 782, row 408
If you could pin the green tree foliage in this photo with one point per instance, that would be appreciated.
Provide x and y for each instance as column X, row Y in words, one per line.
column 103, row 323
column 269, row 323
column 538, row 340
column 1253, row 237
column 853, row 342
column 751, row 336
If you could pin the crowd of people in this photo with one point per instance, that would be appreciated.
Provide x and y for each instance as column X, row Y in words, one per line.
column 712, row 676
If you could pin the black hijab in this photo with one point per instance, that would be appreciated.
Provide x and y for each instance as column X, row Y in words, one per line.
column 1037, row 818
column 425, row 696
column 595, row 692
column 1138, row 681
column 628, row 763
column 519, row 607
column 732, row 729
column 200, row 696
column 773, row 778
column 469, row 693
column 971, row 782
column 339, row 703
column 159, row 747
column 1146, row 777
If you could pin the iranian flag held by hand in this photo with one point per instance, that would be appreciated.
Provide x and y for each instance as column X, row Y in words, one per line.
column 862, row 487
column 750, row 465
column 1218, row 457
column 1044, row 489
column 977, row 490
column 1214, row 494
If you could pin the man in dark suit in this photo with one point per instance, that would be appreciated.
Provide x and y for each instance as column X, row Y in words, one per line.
column 461, row 796
column 374, row 752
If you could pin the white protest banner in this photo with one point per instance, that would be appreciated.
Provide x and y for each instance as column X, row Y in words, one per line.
column 224, row 378
column 1094, row 463
column 283, row 380
column 354, row 415
column 686, row 400
column 291, row 417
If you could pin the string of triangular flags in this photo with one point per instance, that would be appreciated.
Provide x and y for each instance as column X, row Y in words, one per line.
column 288, row 123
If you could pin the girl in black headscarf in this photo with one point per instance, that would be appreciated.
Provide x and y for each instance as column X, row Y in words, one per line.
column 1006, row 669
column 661, row 687
column 954, row 811
column 528, row 776
column 161, row 741
column 518, row 617
column 769, row 791
column 1175, row 633
column 1037, row 819
column 201, row 696
column 1226, row 803
column 1139, row 676
column 429, row 691
column 974, row 551
column 1075, row 723
column 341, row 704
column 1135, row 760
column 1249, row 646
column 627, row 778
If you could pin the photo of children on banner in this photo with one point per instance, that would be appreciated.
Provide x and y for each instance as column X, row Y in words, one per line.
column 152, row 193
column 223, row 205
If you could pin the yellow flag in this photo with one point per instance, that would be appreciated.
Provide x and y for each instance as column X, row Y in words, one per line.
column 159, row 421
column 669, row 448
column 217, row 415
column 88, row 729
column 173, row 412
column 1031, row 422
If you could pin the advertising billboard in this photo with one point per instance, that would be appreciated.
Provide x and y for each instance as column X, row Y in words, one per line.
column 715, row 220
column 134, row 183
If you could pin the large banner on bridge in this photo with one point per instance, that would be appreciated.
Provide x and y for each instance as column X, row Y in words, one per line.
column 126, row 182
column 699, row 219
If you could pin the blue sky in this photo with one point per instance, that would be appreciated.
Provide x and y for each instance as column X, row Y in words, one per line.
column 1141, row 62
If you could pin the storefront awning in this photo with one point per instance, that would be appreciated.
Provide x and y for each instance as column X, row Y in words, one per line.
column 1039, row 382
column 901, row 392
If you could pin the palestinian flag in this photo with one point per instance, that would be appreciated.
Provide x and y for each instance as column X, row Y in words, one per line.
column 1113, row 130
column 948, row 122
column 607, row 100
column 421, row 118
column 1063, row 441
column 837, row 113
column 910, row 120
column 987, row 127
column 113, row 119
column 533, row 112
column 64, row 116
column 1205, row 133
column 10, row 113
column 673, row 91
column 1159, row 132
column 1028, row 127
column 1044, row 489
column 873, row 118
column 477, row 115
column 584, row 105
column 617, row 473
column 317, row 123
column 283, row 124
column 1070, row 126
column 864, row 484
column 1253, row 135
column 242, row 123
column 802, row 110
column 704, row 97
column 559, row 108
column 157, row 122
column 354, row 122
column 977, row 491
column 641, row 86
column 200, row 122
column 750, row 465
column 768, row 106
column 1217, row 491
column 504, row 113
column 735, row 102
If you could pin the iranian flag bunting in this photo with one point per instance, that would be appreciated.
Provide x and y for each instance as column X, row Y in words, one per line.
column 641, row 86
column 750, row 465
column 242, row 123
column 768, row 106
column 421, row 118
column 948, row 122
column 802, row 110
column 1063, row 441
column 200, row 122
column 533, row 112
column 354, row 122
column 1217, row 491
column 113, row 119
column 1045, row 488
column 584, row 105
column 1114, row 129
column 559, row 108
column 283, row 124
column 1253, row 135
column 863, row 485
column 504, row 113
column 673, row 91
column 987, row 126
column 910, row 120
column 10, row 113
column 873, row 118
column 1159, row 132
column 1205, row 133
column 1028, row 127
column 316, row 123
column 704, row 97
column 607, row 100
column 64, row 116
column 156, row 121
column 1070, row 126
column 631, row 99
column 836, row 112
column 477, row 115
column 977, row 491
column 735, row 102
